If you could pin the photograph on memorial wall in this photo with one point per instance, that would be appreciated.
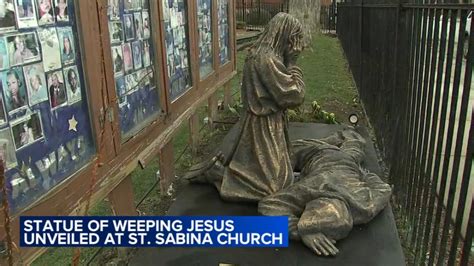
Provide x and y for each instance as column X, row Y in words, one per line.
column 45, row 12
column 146, row 53
column 50, row 47
column 4, row 60
column 57, row 89
column 61, row 10
column 127, row 57
column 121, row 90
column 117, row 57
column 129, row 27
column 146, row 24
column 26, row 14
column 132, row 58
column 45, row 129
column 224, row 31
column 7, row 149
column 204, row 18
column 138, row 24
column 23, row 48
column 7, row 16
column 14, row 90
column 27, row 130
column 3, row 116
column 113, row 9
column 73, row 85
column 116, row 31
column 66, row 42
column 36, row 83
column 177, row 47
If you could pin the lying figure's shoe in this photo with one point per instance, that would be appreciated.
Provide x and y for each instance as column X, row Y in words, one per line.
column 197, row 173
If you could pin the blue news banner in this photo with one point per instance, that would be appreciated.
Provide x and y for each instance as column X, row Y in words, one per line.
column 158, row 231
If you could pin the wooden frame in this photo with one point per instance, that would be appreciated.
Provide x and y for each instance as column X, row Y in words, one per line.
column 116, row 160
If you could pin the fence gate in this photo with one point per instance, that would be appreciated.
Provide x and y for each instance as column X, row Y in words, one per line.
column 256, row 14
column 328, row 17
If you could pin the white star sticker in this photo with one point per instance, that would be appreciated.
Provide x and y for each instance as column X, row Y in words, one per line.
column 73, row 124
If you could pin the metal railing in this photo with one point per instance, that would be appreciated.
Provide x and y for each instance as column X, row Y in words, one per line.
column 256, row 14
column 412, row 64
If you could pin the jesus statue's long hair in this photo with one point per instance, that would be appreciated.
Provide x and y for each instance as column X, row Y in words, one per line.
column 281, row 31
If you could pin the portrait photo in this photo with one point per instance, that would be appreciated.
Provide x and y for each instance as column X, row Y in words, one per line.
column 61, row 10
column 129, row 27
column 138, row 24
column 7, row 16
column 14, row 89
column 146, row 25
column 117, row 56
column 27, row 131
column 131, row 82
column 136, row 5
column 7, row 149
column 128, row 4
column 36, row 83
column 127, row 57
column 73, row 85
column 116, row 31
column 146, row 54
column 113, row 9
column 51, row 49
column 66, row 43
column 3, row 115
column 137, row 54
column 121, row 90
column 4, row 60
column 45, row 12
column 26, row 14
column 166, row 12
column 151, row 77
column 145, row 4
column 23, row 48
column 57, row 89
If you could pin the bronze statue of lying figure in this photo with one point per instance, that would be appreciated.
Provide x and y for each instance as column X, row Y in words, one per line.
column 333, row 192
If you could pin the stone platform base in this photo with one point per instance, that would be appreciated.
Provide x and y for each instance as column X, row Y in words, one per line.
column 374, row 244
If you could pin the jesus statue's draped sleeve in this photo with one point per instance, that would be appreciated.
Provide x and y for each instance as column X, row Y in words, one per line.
column 259, row 164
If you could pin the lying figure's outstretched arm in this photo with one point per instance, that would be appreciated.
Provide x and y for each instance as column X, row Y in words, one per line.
column 323, row 222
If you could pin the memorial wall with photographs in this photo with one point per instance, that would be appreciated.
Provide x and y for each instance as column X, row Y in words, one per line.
column 45, row 129
column 132, row 55
column 204, row 18
column 177, row 47
column 224, row 32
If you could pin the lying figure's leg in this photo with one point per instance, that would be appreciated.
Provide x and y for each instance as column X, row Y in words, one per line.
column 372, row 203
column 353, row 145
column 323, row 222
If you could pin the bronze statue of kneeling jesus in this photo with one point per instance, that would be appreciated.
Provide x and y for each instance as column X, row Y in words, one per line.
column 332, row 193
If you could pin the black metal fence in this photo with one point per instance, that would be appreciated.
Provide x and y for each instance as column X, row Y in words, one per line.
column 413, row 67
column 255, row 15
column 328, row 18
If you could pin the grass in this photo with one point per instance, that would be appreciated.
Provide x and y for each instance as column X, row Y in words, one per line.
column 327, row 78
column 328, row 81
